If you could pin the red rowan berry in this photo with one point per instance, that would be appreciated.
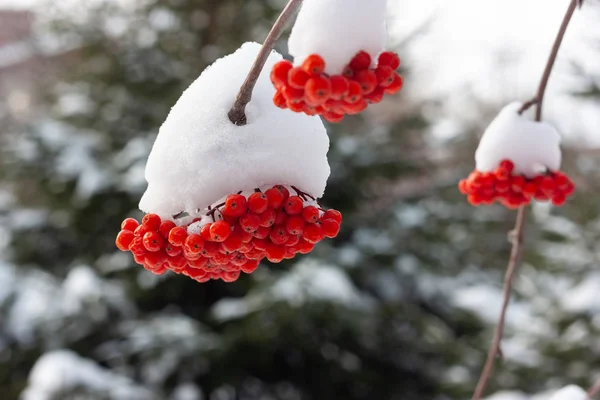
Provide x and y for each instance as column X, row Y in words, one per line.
column 294, row 225
column 559, row 198
column 194, row 244
column 258, row 202
column 507, row 165
column 155, row 259
column 339, row 87
column 283, row 190
column 279, row 235
column 293, row 96
column 260, row 244
column 395, row 86
column 210, row 249
column 262, row 233
column 205, row 232
column 463, row 186
column 334, row 215
column 232, row 243
column 385, row 75
column 250, row 266
column 317, row 91
column 152, row 221
column 305, row 247
column 153, row 241
column 275, row 253
column 389, row 59
column 313, row 233
column 354, row 93
column 230, row 276
column 246, row 247
column 367, row 80
column 311, row 214
column 298, row 78
column 172, row 251
column 517, row 183
column 275, row 198
column 177, row 263
column 124, row 239
column 281, row 217
column 361, row 61
column 177, row 236
column 293, row 239
column 333, row 117
column 294, row 205
column 267, row 218
column 219, row 231
column 235, row 206
column 375, row 96
column 356, row 108
column 279, row 100
column 279, row 73
column 314, row 64
column 165, row 227
column 250, row 222
column 141, row 230
column 129, row 224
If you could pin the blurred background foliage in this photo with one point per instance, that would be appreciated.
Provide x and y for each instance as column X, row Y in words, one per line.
column 399, row 306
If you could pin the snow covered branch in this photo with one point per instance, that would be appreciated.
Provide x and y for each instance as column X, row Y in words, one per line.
column 516, row 235
column 237, row 114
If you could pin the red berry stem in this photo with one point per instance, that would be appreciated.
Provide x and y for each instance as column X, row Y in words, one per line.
column 237, row 114
column 517, row 234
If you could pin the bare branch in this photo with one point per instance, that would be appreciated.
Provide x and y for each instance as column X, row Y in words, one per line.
column 517, row 236
column 237, row 114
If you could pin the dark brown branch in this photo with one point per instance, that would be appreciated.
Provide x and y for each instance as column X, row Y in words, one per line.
column 517, row 234
column 237, row 114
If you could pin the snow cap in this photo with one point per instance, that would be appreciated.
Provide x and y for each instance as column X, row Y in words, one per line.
column 533, row 147
column 337, row 30
column 199, row 155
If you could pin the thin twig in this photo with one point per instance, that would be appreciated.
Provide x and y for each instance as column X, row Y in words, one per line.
column 237, row 114
column 594, row 390
column 517, row 235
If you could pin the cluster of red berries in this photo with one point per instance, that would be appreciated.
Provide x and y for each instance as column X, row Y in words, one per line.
column 308, row 89
column 514, row 191
column 271, row 224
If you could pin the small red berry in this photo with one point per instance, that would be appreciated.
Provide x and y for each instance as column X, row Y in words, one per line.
column 294, row 205
column 250, row 222
column 333, row 117
column 389, row 59
column 210, row 249
column 153, row 241
column 356, row 108
column 124, row 239
column 281, row 217
column 250, row 266
column 295, row 225
column 279, row 100
column 232, row 243
column 311, row 214
column 395, row 86
column 165, row 228
column 275, row 198
column 558, row 199
column 177, row 236
column 155, row 259
column 262, row 233
column 172, row 251
column 375, row 96
column 361, row 61
column 260, row 244
column 507, row 165
column 385, row 75
column 275, row 253
column 230, row 276
column 298, row 77
column 367, row 80
column 279, row 73
column 354, row 93
column 151, row 221
column 330, row 227
column 317, row 91
column 258, row 202
column 279, row 235
column 219, row 231
column 293, row 95
column 314, row 64
column 129, row 224
column 194, row 244
column 141, row 230
column 313, row 233
column 339, row 87
column 334, row 215
column 235, row 206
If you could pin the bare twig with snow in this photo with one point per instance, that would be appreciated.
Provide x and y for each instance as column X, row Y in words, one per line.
column 517, row 234
column 237, row 114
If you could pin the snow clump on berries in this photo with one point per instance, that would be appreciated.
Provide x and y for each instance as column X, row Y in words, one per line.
column 199, row 155
column 533, row 147
column 337, row 30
